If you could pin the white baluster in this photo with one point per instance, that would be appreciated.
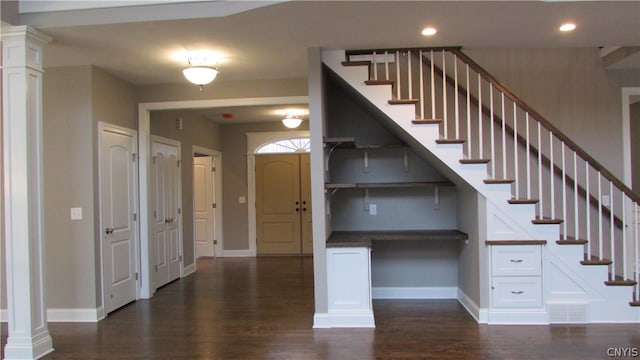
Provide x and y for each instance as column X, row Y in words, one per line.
column 444, row 95
column 398, row 82
column 375, row 66
column 492, row 137
column 541, row 198
column 552, row 201
column 588, row 207
column 612, row 232
column 433, row 87
column 528, row 154
column 515, row 151
column 624, row 237
column 468, row 115
column 576, row 215
column 564, row 192
column 600, row 234
column 409, row 74
column 422, row 97
column 386, row 65
column 480, row 137
column 457, row 111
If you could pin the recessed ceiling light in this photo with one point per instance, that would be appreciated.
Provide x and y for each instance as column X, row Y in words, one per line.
column 568, row 27
column 429, row 31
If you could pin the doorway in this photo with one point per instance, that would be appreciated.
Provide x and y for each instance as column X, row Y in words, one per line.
column 283, row 204
column 207, row 202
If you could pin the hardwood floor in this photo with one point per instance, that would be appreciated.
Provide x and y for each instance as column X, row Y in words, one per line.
column 262, row 308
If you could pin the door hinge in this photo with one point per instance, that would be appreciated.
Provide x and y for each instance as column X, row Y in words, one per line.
column 156, row 267
column 155, row 214
column 133, row 157
column 179, row 211
column 136, row 276
column 215, row 242
column 135, row 217
column 213, row 169
column 179, row 161
column 153, row 160
column 214, row 205
column 180, row 258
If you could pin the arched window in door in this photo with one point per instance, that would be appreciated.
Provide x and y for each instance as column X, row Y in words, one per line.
column 294, row 145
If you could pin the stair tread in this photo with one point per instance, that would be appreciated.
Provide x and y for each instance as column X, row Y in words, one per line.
column 356, row 63
column 547, row 221
column 379, row 82
column 403, row 101
column 571, row 242
column 596, row 261
column 450, row 141
column 426, row 121
column 498, row 181
column 523, row 201
column 475, row 161
column 634, row 303
column 620, row 283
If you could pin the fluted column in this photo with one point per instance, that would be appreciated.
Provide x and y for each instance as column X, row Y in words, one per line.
column 23, row 200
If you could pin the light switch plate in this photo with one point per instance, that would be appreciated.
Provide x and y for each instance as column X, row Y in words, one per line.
column 373, row 209
column 76, row 213
column 242, row 200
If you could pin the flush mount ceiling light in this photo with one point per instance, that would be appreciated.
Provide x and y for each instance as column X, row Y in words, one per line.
column 429, row 31
column 292, row 121
column 199, row 74
column 567, row 27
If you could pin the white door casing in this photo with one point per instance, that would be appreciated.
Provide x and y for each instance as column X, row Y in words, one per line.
column 203, row 205
column 166, row 213
column 118, row 196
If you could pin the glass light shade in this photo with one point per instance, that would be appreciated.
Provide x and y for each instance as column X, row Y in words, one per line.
column 200, row 75
column 291, row 122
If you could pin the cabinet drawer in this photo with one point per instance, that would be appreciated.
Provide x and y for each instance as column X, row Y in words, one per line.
column 516, row 260
column 517, row 292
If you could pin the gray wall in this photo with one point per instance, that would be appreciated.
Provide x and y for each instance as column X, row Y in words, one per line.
column 234, row 179
column 635, row 145
column 571, row 88
column 196, row 130
column 9, row 12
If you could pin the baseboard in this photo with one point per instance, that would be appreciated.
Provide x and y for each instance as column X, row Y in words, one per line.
column 67, row 315
column 321, row 321
column 517, row 317
column 480, row 315
column 414, row 292
column 239, row 253
column 351, row 319
column 189, row 269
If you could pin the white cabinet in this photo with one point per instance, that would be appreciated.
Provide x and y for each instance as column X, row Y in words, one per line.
column 349, row 286
column 516, row 276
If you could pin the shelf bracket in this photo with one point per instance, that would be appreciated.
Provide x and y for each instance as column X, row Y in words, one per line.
column 333, row 147
column 366, row 200
column 436, row 197
column 406, row 160
column 365, row 168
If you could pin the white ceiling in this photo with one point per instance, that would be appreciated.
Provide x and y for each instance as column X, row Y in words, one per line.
column 268, row 40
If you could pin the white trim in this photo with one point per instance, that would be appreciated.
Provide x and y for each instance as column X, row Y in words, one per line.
column 254, row 141
column 480, row 315
column 239, row 253
column 415, row 292
column 189, row 269
column 627, row 92
column 102, row 126
column 351, row 319
column 144, row 143
column 321, row 321
column 68, row 315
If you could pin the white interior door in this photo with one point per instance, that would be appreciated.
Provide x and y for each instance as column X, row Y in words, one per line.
column 204, row 205
column 166, row 233
column 117, row 201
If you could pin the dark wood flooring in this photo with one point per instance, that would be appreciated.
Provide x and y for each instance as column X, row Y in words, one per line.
column 262, row 308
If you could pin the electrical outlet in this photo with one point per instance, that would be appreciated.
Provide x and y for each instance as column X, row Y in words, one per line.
column 373, row 209
column 76, row 213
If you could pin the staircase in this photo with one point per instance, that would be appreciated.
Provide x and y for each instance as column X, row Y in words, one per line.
column 538, row 181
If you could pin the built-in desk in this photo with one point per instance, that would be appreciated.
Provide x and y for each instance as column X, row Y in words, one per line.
column 349, row 270
column 364, row 238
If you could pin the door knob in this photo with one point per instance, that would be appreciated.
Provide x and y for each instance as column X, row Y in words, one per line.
column 108, row 231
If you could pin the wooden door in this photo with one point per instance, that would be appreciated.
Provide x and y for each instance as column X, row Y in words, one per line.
column 283, row 217
column 203, row 205
column 117, row 201
column 165, row 182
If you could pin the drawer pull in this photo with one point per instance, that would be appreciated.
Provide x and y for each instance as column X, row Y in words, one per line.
column 516, row 260
column 517, row 292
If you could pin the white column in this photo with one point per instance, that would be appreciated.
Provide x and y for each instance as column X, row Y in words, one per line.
column 23, row 207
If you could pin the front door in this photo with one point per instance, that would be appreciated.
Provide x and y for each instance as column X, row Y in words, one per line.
column 117, row 201
column 283, row 204
column 203, row 205
column 165, row 182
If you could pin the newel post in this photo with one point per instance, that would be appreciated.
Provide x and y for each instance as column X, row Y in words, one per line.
column 23, row 199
